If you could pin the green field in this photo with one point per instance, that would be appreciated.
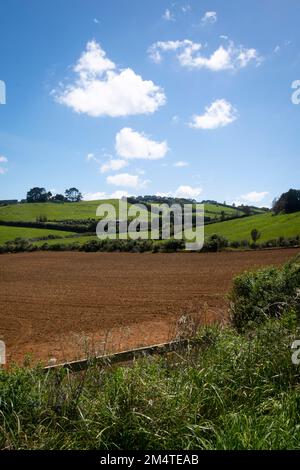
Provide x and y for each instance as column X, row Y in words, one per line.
column 80, row 210
column 270, row 226
column 52, row 211
column 10, row 233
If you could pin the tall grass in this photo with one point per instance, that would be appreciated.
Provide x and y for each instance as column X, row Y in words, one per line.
column 234, row 392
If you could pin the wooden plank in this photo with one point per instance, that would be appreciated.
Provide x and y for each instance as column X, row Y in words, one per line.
column 124, row 356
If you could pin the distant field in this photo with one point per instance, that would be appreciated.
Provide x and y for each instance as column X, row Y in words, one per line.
column 10, row 233
column 53, row 211
column 212, row 210
column 81, row 210
column 270, row 226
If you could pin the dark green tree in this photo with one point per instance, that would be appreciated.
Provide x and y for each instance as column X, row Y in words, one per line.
column 73, row 195
column 38, row 195
column 255, row 235
column 58, row 198
column 288, row 202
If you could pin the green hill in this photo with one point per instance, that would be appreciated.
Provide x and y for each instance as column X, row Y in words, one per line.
column 271, row 226
column 83, row 210
column 52, row 211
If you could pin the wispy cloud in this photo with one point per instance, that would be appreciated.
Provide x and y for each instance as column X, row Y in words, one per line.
column 168, row 15
column 181, row 164
column 185, row 8
column 189, row 54
column 3, row 160
column 209, row 17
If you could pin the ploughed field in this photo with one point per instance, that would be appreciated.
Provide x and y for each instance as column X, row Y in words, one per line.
column 72, row 304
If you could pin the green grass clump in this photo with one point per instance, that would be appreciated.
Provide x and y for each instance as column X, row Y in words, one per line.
column 267, row 293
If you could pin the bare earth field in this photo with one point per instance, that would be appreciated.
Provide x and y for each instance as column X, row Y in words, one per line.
column 66, row 305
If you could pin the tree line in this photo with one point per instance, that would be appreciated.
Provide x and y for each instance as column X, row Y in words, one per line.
column 42, row 195
column 288, row 202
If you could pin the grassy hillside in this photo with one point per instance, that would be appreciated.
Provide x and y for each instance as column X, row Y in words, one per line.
column 270, row 226
column 53, row 211
column 82, row 210
column 10, row 233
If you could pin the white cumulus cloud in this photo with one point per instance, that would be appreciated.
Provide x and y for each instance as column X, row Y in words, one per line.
column 127, row 180
column 254, row 196
column 114, row 164
column 132, row 144
column 102, row 195
column 101, row 89
column 183, row 191
column 190, row 54
column 219, row 114
column 188, row 192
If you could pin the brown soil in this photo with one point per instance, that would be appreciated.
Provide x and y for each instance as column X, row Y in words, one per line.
column 66, row 305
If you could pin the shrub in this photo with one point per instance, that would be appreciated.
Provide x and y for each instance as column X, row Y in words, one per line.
column 215, row 243
column 172, row 245
column 18, row 245
column 235, row 244
column 267, row 293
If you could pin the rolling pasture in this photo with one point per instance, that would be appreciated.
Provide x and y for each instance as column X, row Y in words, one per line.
column 270, row 226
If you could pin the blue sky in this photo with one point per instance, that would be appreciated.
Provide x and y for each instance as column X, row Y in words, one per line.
column 190, row 98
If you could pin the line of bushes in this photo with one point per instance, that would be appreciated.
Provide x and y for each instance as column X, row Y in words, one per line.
column 213, row 244
column 80, row 228
column 217, row 242
column 133, row 246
